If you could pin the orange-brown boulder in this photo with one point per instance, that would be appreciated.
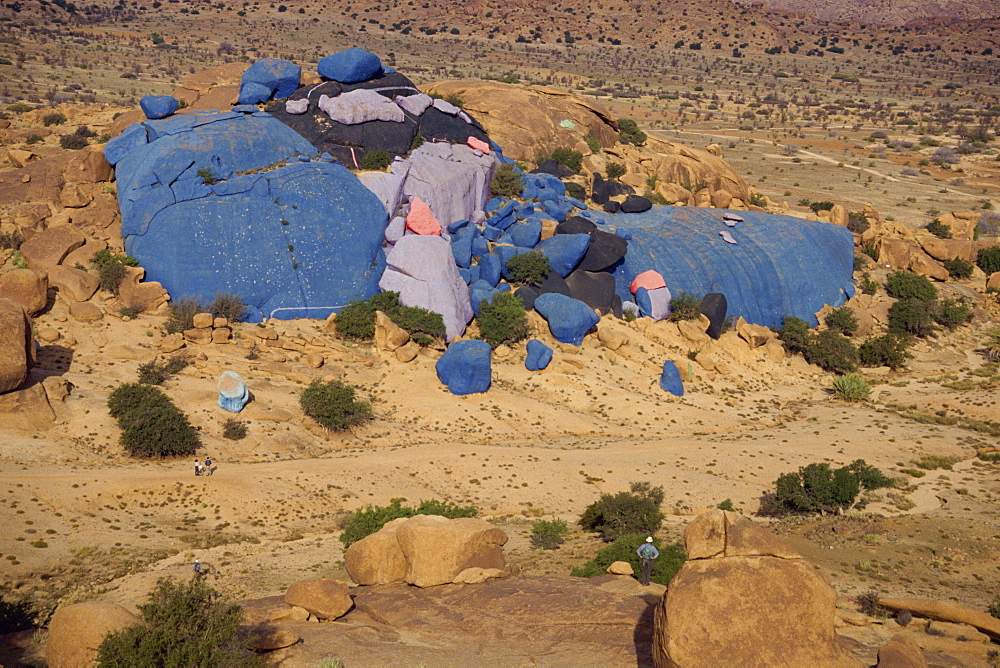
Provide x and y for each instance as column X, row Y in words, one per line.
column 26, row 288
column 437, row 549
column 17, row 346
column 325, row 598
column 142, row 296
column 923, row 264
column 74, row 284
column 947, row 249
column 377, row 558
column 75, row 631
column 901, row 652
column 946, row 611
column 48, row 248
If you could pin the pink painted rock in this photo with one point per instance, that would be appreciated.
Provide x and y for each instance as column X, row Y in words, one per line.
column 651, row 280
column 478, row 145
column 421, row 220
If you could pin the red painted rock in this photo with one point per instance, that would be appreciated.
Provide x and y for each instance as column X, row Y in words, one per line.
column 420, row 219
column 651, row 280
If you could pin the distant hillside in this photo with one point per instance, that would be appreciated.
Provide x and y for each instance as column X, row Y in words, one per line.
column 895, row 12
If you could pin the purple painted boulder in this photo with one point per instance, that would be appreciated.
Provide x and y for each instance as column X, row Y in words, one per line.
column 450, row 178
column 421, row 268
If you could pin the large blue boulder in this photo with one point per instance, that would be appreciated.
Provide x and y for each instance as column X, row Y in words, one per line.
column 564, row 251
column 569, row 319
column 490, row 268
column 780, row 265
column 350, row 65
column 670, row 379
column 539, row 356
column 227, row 202
column 465, row 367
column 279, row 77
column 158, row 106
column 252, row 92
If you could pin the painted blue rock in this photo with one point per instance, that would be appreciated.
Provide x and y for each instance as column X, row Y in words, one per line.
column 490, row 268
column 670, row 379
column 539, row 356
column 465, row 367
column 253, row 93
column 564, row 251
column 350, row 65
column 233, row 392
column 280, row 77
column 569, row 319
column 158, row 106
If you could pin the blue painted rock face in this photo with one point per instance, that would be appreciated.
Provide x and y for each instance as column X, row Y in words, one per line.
column 350, row 65
column 158, row 106
column 465, row 367
column 538, row 357
column 569, row 319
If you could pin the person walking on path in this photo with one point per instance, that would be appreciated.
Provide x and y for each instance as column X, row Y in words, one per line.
column 197, row 467
column 197, row 567
column 208, row 466
column 647, row 552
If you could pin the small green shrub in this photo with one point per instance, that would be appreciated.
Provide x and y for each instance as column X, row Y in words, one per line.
column 665, row 567
column 357, row 319
column 55, row 118
column 368, row 520
column 593, row 144
column 228, row 306
column 154, row 373
column 374, row 160
column 994, row 607
column 908, row 285
column 726, row 505
column 819, row 488
column 912, row 316
column 455, row 99
column 939, row 229
column 632, row 512
column 73, row 142
column 952, row 313
column 842, row 320
column 19, row 107
column 629, row 132
column 183, row 624
column 958, row 268
column 502, row 319
column 332, row 405
column 851, row 387
column 111, row 277
column 207, row 176
column 33, row 139
column 684, row 307
column 129, row 312
column 418, row 141
column 152, row 426
column 988, row 259
column 506, row 182
column 418, row 320
column 16, row 613
column 568, row 157
column 857, row 223
column 548, row 534
column 871, row 250
column 528, row 268
column 757, row 199
column 182, row 313
column 795, row 335
column 106, row 257
column 887, row 350
column 820, row 206
column 860, row 262
column 867, row 285
column 832, row 351
column 234, row 430
column 616, row 170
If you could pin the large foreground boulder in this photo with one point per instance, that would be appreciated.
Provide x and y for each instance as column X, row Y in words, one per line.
column 465, row 367
column 75, row 631
column 435, row 550
column 745, row 593
column 26, row 288
column 17, row 345
column 325, row 598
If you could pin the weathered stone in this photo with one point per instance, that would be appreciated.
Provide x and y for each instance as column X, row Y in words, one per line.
column 28, row 409
column 962, row 223
column 408, row 352
column 292, row 613
column 20, row 158
column 17, row 346
column 437, row 548
column 945, row 611
column 85, row 311
column 134, row 293
column 477, row 575
column 612, row 337
column 901, row 652
column 84, row 255
column 377, row 558
column 993, row 282
column 74, row 196
column 693, row 331
column 26, row 288
column 895, row 253
column 838, row 215
column 198, row 335
column 388, row 335
column 48, row 248
column 202, row 320
column 315, row 360
column 755, row 335
column 923, row 264
column 325, row 598
column 947, row 249
column 267, row 639
column 73, row 284
column 620, row 568
column 75, row 631
column 221, row 335
column 172, row 343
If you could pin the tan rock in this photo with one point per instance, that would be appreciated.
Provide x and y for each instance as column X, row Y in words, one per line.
column 314, row 360
column 962, row 223
column 693, row 331
column 437, row 549
column 377, row 558
column 388, row 335
column 75, row 631
column 56, row 388
column 221, row 335
column 613, row 337
column 73, row 284
column 993, row 282
column 19, row 158
column 901, row 652
column 74, row 196
column 895, row 253
column 620, row 568
column 202, row 336
column 25, row 287
column 266, row 333
column 17, row 346
column 268, row 639
column 139, row 295
column 29, row 216
column 408, row 352
column 172, row 343
column 838, row 215
column 721, row 199
column 48, row 248
column 477, row 575
column 774, row 351
column 946, row 611
column 85, row 311
column 48, row 334
column 292, row 613
column 755, row 335
column 923, row 264
column 203, row 320
column 85, row 254
column 947, row 249
column 325, row 598
column 220, row 322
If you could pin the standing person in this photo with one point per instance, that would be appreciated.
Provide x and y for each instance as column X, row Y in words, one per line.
column 197, row 567
column 647, row 552
column 208, row 466
column 197, row 467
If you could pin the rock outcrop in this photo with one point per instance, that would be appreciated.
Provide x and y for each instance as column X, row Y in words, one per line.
column 17, row 345
column 75, row 631
column 325, row 598
column 745, row 593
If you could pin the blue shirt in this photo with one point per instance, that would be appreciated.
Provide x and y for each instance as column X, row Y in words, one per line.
column 648, row 551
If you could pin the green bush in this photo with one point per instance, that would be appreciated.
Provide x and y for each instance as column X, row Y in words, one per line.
column 684, row 307
column 939, row 229
column 374, row 160
column 842, row 320
column 548, row 534
column 366, row 521
column 912, row 316
column 207, row 176
column 417, row 320
column 228, row 306
column 593, row 144
column 154, row 372
column 568, row 157
column 502, row 319
column 886, row 350
column 332, row 405
column 55, row 118
column 107, row 257
column 727, row 504
column 73, row 142
column 857, row 223
column 357, row 319
column 794, row 334
column 528, row 268
column 952, row 313
column 616, row 170
column 111, row 277
column 867, row 285
column 988, row 259
column 851, row 387
column 16, row 613
column 183, row 624
column 820, row 206
column 664, row 569
column 994, row 607
column 832, row 351
column 234, row 430
column 635, row 511
column 182, row 313
column 958, row 268
column 820, row 488
column 629, row 132
column 908, row 285
column 506, row 182
column 152, row 426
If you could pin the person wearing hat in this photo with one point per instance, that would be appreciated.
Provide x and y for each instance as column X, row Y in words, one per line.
column 197, row 567
column 647, row 552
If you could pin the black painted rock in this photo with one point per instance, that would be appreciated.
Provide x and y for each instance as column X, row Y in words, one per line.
column 714, row 306
column 605, row 249
column 603, row 190
column 575, row 225
column 636, row 204
column 554, row 168
column 612, row 206
column 596, row 289
column 554, row 283
column 527, row 294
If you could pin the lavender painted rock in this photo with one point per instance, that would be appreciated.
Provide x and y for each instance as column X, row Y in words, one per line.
column 387, row 187
column 421, row 268
column 465, row 367
column 569, row 319
column 360, row 106
column 539, row 356
column 450, row 178
column 653, row 303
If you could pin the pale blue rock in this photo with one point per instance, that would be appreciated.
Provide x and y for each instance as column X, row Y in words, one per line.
column 233, row 392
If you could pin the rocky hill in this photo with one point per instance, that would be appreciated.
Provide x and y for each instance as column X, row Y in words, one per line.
column 887, row 11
